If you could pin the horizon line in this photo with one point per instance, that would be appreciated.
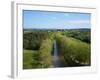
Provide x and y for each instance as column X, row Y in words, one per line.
column 56, row 28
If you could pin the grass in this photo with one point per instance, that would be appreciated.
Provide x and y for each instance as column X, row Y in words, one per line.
column 41, row 58
column 28, row 59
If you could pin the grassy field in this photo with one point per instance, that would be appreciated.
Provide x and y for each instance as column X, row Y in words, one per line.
column 28, row 59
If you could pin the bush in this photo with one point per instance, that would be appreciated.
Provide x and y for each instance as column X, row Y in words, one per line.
column 83, row 35
column 32, row 40
column 45, row 53
column 75, row 52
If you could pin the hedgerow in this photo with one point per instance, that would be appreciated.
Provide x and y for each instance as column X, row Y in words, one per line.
column 75, row 52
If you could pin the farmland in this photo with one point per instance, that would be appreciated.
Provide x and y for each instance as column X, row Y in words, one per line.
column 72, row 48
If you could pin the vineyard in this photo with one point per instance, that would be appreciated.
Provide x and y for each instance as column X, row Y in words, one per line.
column 73, row 47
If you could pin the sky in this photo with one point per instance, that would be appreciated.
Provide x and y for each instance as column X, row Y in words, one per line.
column 55, row 20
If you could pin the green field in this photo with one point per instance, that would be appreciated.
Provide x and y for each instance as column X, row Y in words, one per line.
column 73, row 47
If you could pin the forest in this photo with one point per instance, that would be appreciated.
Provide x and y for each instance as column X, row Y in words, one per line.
column 72, row 48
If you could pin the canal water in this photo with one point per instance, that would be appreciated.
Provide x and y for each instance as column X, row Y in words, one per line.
column 56, row 61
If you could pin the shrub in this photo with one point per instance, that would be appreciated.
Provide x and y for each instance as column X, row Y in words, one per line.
column 45, row 53
column 75, row 52
column 32, row 39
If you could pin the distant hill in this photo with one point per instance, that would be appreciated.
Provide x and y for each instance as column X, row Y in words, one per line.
column 80, row 29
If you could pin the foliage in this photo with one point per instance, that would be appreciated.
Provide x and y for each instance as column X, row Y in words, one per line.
column 27, row 59
column 40, row 58
column 83, row 35
column 73, row 47
column 32, row 40
column 45, row 52
column 74, row 51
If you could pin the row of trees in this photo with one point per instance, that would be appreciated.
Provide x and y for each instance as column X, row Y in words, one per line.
column 32, row 40
column 83, row 35
column 45, row 53
column 74, row 52
column 37, row 57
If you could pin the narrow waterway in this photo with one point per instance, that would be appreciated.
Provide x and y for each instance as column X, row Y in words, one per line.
column 56, row 61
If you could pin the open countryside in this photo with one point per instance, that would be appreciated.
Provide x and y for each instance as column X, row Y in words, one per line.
column 53, row 47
